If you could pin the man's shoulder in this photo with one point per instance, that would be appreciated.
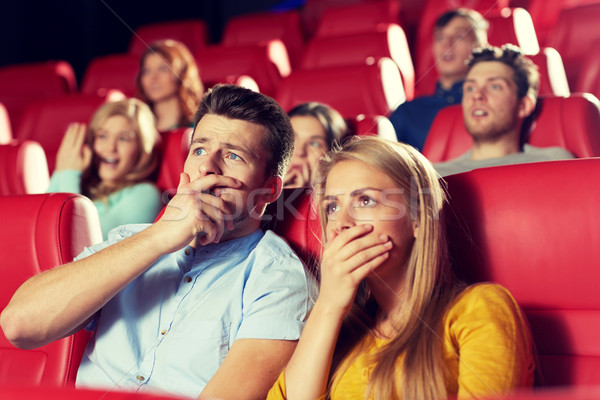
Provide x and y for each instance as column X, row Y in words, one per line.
column 548, row 153
column 114, row 235
column 274, row 245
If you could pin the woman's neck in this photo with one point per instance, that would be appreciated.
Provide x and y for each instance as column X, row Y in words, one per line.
column 391, row 300
column 168, row 113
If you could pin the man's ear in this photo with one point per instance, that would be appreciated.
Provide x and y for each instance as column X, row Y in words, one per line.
column 275, row 185
column 526, row 106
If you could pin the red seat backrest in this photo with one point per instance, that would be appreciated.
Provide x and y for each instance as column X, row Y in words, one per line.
column 535, row 229
column 553, row 78
column 359, row 48
column 258, row 27
column 589, row 75
column 5, row 129
column 373, row 89
column 42, row 231
column 372, row 125
column 115, row 71
column 47, row 120
column 266, row 62
column 23, row 168
column 570, row 122
column 573, row 35
column 191, row 32
column 19, row 392
column 21, row 84
column 365, row 16
column 175, row 145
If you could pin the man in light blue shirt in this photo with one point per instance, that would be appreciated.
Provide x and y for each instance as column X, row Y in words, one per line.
column 202, row 302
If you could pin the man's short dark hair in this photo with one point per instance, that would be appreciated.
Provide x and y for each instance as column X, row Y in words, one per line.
column 235, row 102
column 526, row 75
column 479, row 25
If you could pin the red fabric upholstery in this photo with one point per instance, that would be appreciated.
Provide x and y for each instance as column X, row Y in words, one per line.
column 23, row 168
column 366, row 16
column 534, row 228
column 254, row 28
column 569, row 122
column 553, row 79
column 266, row 62
column 5, row 129
column 589, row 76
column 46, row 121
column 354, row 49
column 39, row 232
column 352, row 90
column 24, row 83
column 175, row 146
column 14, row 392
column 373, row 125
column 573, row 35
column 116, row 71
column 192, row 33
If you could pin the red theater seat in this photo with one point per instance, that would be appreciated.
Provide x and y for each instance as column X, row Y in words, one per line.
column 352, row 90
column 589, row 75
column 373, row 125
column 266, row 63
column 23, row 168
column 116, row 71
column 46, row 121
column 573, row 35
column 534, row 228
column 569, row 122
column 365, row 16
column 21, row 84
column 553, row 79
column 13, row 392
column 258, row 27
column 360, row 48
column 191, row 32
column 39, row 232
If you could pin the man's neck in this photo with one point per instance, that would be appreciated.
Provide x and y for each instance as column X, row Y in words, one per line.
column 446, row 82
column 499, row 147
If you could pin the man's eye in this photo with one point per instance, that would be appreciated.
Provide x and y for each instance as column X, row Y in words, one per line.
column 235, row 157
column 199, row 151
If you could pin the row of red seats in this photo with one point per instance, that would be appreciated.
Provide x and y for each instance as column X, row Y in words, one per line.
column 505, row 224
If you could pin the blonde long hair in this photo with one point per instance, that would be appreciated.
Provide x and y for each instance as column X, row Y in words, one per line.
column 148, row 140
column 430, row 285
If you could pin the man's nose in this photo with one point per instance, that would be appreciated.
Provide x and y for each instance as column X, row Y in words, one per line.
column 210, row 165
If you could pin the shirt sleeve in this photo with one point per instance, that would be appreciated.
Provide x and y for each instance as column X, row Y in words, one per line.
column 65, row 181
column 492, row 340
column 135, row 204
column 277, row 298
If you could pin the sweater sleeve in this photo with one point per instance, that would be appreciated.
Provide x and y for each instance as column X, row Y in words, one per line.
column 492, row 340
column 136, row 204
column 65, row 181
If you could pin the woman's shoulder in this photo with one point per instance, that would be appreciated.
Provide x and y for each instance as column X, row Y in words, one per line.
column 483, row 300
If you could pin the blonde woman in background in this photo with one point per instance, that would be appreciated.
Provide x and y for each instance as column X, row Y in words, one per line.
column 112, row 163
column 391, row 321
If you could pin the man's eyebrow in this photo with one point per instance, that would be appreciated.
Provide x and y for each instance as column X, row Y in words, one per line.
column 226, row 145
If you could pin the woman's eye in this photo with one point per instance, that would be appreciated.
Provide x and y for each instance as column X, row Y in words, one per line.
column 199, row 151
column 125, row 139
column 330, row 208
column 366, row 201
column 316, row 144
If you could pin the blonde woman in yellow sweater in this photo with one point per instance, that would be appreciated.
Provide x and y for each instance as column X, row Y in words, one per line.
column 391, row 321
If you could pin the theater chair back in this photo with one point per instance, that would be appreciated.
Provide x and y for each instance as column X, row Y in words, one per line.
column 570, row 122
column 23, row 168
column 40, row 232
column 174, row 148
column 535, row 229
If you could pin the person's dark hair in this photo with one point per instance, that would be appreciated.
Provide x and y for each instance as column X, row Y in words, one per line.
column 526, row 75
column 333, row 123
column 479, row 25
column 235, row 102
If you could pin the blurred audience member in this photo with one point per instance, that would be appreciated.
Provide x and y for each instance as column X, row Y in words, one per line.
column 112, row 163
column 169, row 82
column 500, row 93
column 316, row 127
column 456, row 34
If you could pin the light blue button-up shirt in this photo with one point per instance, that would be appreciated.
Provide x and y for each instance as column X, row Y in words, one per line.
column 170, row 329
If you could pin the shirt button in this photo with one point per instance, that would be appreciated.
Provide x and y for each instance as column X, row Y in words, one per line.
column 164, row 332
column 187, row 279
column 187, row 252
column 139, row 378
